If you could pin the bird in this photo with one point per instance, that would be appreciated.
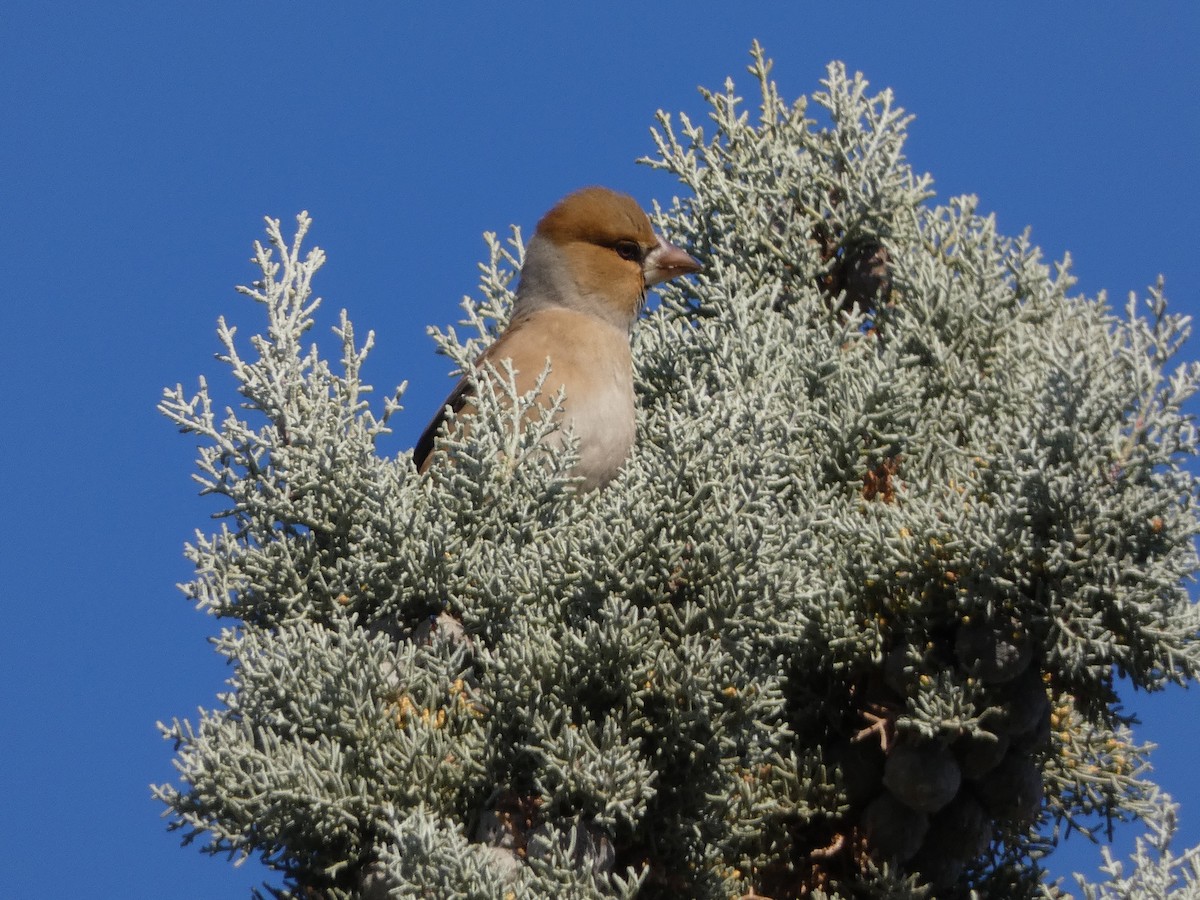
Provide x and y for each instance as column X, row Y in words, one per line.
column 582, row 285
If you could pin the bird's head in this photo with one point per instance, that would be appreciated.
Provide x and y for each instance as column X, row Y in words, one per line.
column 596, row 251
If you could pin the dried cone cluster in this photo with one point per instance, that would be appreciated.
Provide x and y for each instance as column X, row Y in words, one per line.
column 941, row 800
column 861, row 277
column 858, row 271
column 931, row 806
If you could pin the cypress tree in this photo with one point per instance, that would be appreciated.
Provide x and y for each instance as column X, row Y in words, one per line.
column 905, row 517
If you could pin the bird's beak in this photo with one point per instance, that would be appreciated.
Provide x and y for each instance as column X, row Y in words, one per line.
column 666, row 261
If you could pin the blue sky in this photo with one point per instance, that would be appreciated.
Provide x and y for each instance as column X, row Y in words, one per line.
column 144, row 142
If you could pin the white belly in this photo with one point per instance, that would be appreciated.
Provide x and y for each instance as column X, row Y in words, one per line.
column 604, row 421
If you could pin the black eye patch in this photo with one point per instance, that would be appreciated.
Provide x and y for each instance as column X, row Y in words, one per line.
column 630, row 250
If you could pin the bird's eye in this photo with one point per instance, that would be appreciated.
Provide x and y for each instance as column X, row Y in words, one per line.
column 628, row 250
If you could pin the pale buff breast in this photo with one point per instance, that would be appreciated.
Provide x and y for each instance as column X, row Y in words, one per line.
column 590, row 360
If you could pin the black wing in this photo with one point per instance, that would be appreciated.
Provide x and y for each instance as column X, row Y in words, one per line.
column 455, row 402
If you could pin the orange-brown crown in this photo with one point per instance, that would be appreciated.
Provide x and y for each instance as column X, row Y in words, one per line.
column 597, row 215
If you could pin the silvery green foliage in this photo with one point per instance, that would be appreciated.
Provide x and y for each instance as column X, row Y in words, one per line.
column 1157, row 873
column 846, row 625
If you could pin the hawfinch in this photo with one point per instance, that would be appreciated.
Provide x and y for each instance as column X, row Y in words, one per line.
column 582, row 285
